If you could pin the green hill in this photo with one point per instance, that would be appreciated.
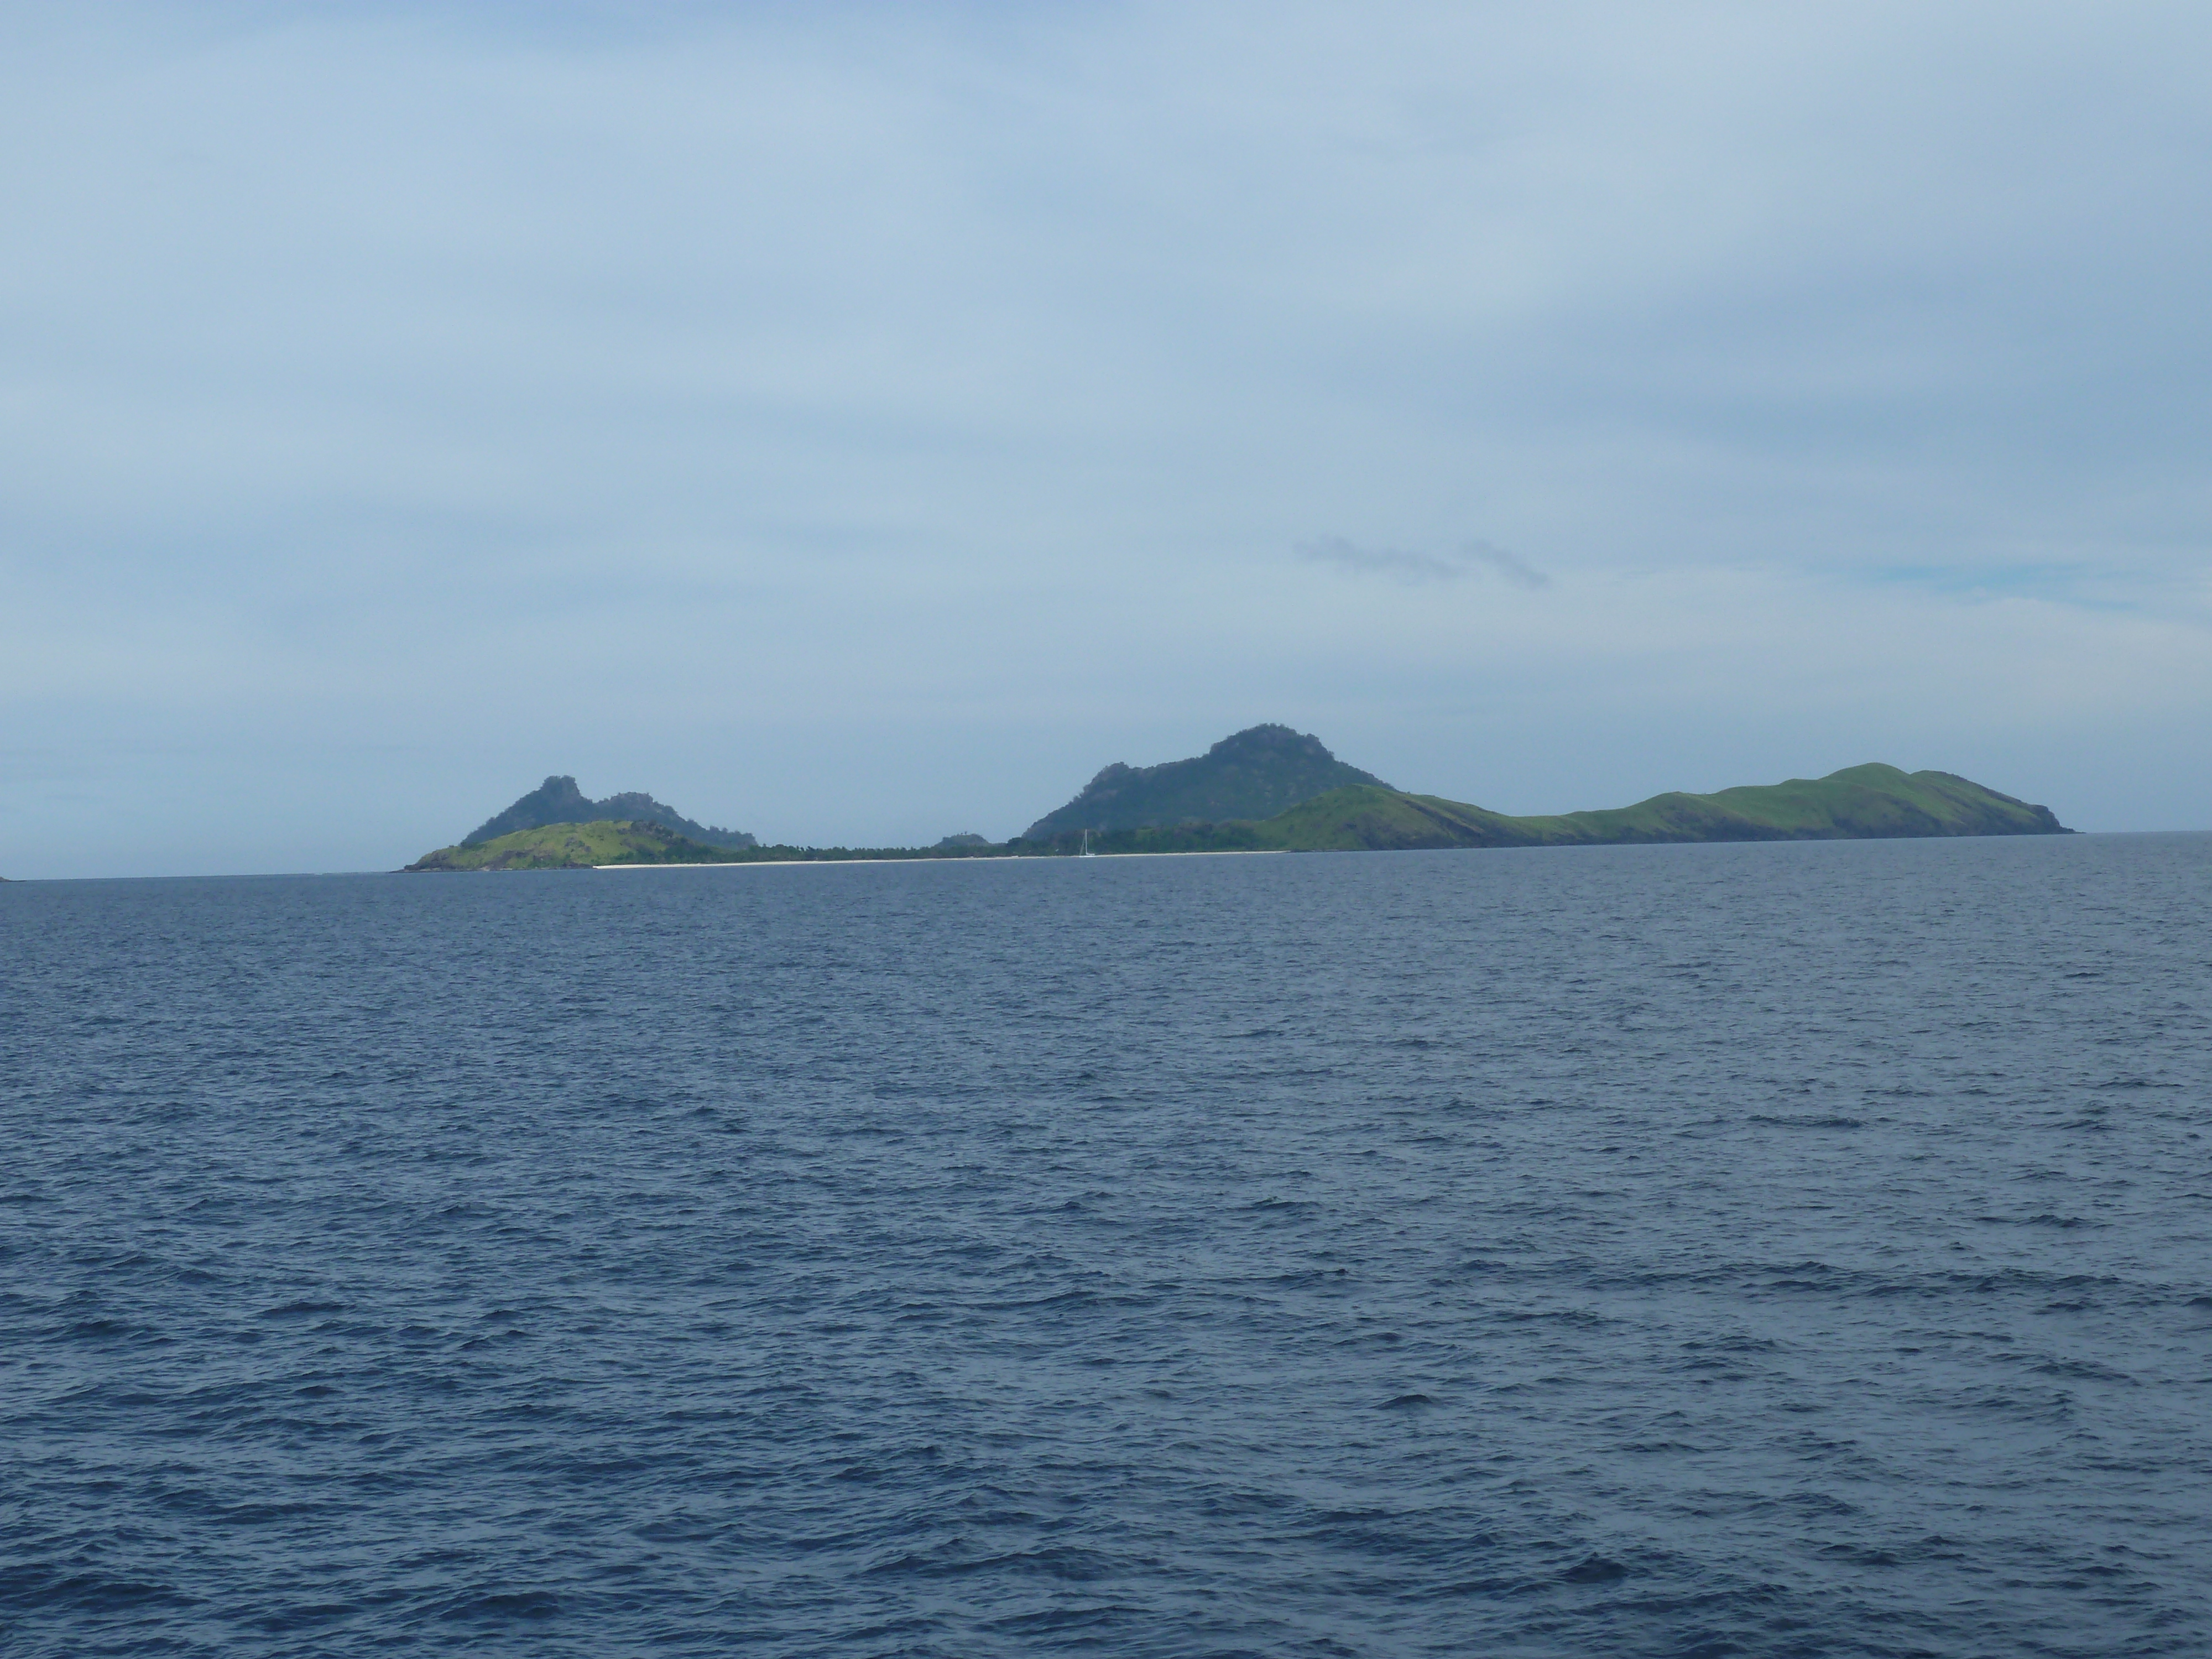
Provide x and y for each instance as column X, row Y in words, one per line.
column 582, row 845
column 559, row 801
column 1858, row 802
column 570, row 847
column 1254, row 774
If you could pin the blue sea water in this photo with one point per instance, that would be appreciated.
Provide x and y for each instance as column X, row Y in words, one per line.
column 1795, row 1250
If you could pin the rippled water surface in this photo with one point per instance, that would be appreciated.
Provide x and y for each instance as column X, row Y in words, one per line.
column 1768, row 1250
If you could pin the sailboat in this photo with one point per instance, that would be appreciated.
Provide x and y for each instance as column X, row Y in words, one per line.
column 1086, row 853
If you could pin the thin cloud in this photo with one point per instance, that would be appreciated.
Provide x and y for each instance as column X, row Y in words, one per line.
column 1400, row 565
column 1381, row 560
column 1517, row 571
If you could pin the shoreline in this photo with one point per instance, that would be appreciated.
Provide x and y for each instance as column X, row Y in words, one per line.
column 1008, row 857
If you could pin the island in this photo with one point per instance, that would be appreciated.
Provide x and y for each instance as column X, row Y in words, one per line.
column 1295, row 796
column 557, row 802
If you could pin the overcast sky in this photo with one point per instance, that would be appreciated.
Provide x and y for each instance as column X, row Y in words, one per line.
column 861, row 422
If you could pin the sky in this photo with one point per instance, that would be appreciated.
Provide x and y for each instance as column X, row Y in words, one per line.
column 858, row 423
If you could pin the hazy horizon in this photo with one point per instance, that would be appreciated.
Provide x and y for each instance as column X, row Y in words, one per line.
column 862, row 423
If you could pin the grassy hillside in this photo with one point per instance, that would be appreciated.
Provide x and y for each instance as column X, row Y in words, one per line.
column 581, row 846
column 569, row 846
column 1376, row 820
column 1858, row 802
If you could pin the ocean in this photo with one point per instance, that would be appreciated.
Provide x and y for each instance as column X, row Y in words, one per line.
column 1770, row 1249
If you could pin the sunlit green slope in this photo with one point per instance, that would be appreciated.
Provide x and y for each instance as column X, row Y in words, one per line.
column 1858, row 802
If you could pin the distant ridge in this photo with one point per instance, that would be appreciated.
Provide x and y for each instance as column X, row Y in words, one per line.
column 1873, row 802
column 1255, row 774
column 557, row 801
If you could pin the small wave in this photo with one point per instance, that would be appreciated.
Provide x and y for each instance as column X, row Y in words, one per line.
column 1860, row 1555
column 101, row 1330
column 2040, row 1218
column 501, row 1606
column 2086, row 1371
column 1065, row 1562
column 286, row 1620
column 46, row 1587
column 1063, row 1618
column 1594, row 1569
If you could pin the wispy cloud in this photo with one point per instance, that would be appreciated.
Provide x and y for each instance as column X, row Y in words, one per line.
column 1380, row 561
column 1517, row 571
column 1471, row 559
